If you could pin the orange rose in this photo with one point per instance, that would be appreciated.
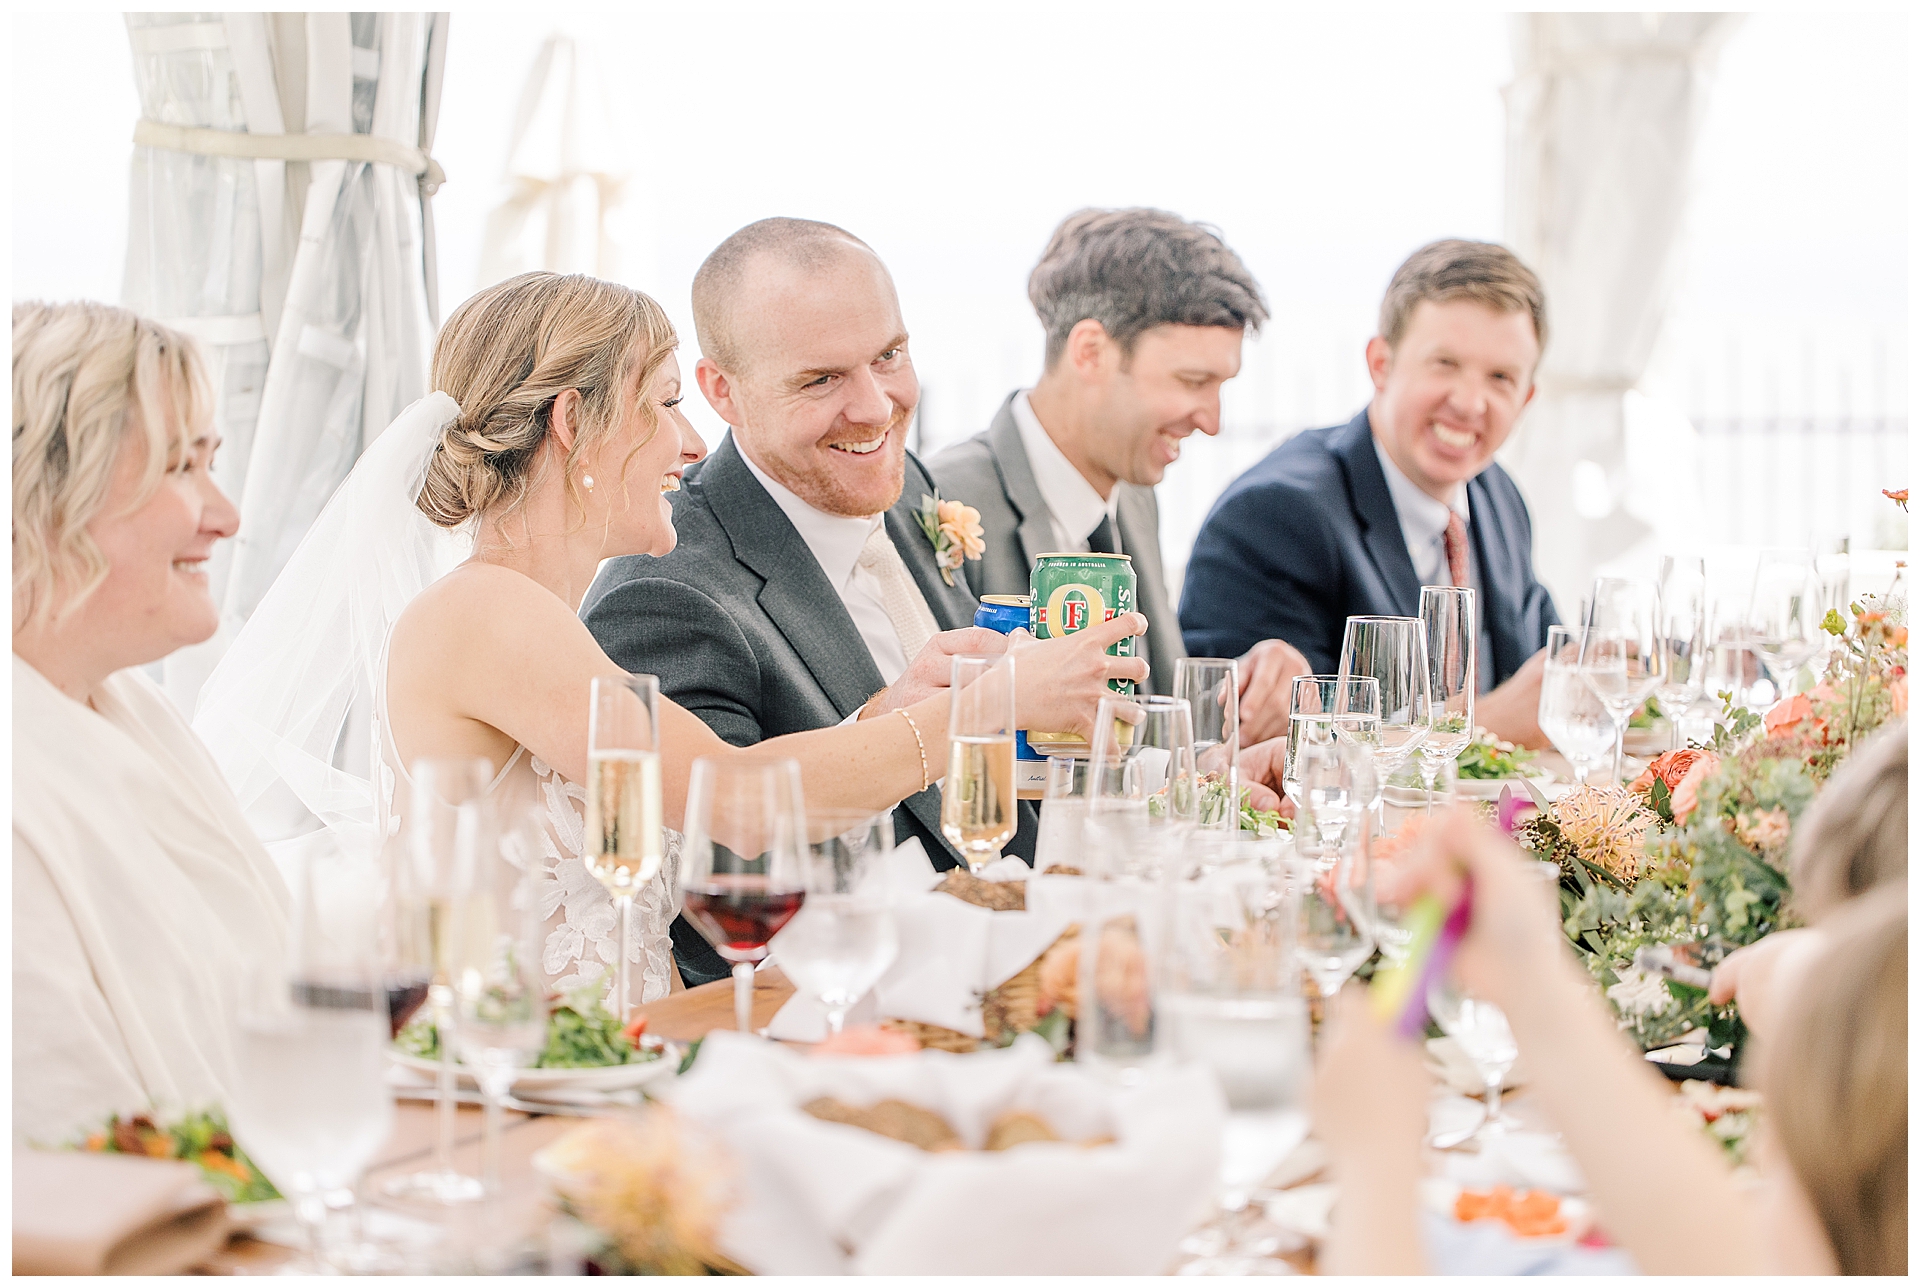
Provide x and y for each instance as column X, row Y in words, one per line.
column 1682, row 771
column 1785, row 715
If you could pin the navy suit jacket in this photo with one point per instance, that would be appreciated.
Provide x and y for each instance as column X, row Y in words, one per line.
column 1309, row 537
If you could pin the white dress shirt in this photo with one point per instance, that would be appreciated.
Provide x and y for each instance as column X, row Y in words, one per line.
column 836, row 541
column 1423, row 525
column 1077, row 508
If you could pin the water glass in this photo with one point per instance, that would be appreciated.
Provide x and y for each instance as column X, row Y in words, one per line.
column 1453, row 632
column 500, row 1017
column 844, row 939
column 309, row 1100
column 450, row 824
column 1571, row 714
column 623, row 825
column 1335, row 935
column 1334, row 790
column 1620, row 655
column 1211, row 686
column 1145, row 793
column 1063, row 814
column 1784, row 619
column 1349, row 707
column 979, row 811
column 1481, row 1031
column 1117, row 1029
column 744, row 859
column 1393, row 651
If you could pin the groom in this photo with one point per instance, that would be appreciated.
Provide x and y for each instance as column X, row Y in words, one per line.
column 803, row 592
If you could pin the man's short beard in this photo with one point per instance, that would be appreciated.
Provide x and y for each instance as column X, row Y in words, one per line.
column 823, row 489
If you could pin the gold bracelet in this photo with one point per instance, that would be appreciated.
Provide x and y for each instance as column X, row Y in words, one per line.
column 926, row 779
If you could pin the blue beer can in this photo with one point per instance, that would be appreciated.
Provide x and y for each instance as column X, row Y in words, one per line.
column 1006, row 613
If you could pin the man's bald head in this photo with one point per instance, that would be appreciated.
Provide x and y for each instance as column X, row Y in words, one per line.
column 803, row 244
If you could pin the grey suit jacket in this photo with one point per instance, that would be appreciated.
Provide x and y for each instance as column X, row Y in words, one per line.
column 743, row 629
column 991, row 473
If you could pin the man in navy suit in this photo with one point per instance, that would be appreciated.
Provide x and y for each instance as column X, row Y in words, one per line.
column 1354, row 519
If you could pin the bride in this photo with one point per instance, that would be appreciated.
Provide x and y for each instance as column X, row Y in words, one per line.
column 436, row 599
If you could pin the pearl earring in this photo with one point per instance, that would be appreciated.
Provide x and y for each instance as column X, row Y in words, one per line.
column 589, row 482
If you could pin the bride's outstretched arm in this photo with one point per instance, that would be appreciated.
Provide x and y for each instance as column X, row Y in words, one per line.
column 488, row 655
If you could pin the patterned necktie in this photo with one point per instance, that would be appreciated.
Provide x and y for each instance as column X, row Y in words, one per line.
column 1456, row 548
column 900, row 596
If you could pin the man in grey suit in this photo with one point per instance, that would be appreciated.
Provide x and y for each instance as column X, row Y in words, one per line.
column 1144, row 314
column 802, row 592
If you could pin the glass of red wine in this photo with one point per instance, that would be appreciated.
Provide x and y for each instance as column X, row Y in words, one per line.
column 743, row 863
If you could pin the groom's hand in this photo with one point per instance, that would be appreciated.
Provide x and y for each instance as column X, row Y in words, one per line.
column 932, row 671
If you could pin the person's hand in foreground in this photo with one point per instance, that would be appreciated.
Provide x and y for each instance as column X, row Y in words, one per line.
column 1759, row 976
column 1370, row 1096
column 932, row 670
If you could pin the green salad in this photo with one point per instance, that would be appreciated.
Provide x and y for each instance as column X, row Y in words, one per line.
column 1490, row 757
column 581, row 1034
column 200, row 1138
column 1214, row 805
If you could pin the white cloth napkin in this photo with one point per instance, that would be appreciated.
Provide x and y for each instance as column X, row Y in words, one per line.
column 950, row 951
column 826, row 1198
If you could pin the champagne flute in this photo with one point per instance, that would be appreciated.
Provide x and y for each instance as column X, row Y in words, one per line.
column 500, row 1022
column 1683, row 637
column 1211, row 685
column 1145, row 794
column 1393, row 650
column 309, row 1097
column 1620, row 655
column 978, row 809
column 744, row 859
column 449, row 822
column 1784, row 620
column 1453, row 632
column 623, row 833
column 1335, row 934
column 1571, row 714
column 843, row 940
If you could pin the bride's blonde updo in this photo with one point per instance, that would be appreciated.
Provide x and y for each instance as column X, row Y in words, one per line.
column 507, row 354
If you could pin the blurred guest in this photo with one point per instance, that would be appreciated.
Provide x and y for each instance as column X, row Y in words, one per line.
column 1144, row 315
column 803, row 592
column 1353, row 520
column 1851, row 839
column 141, row 899
column 1833, row 1166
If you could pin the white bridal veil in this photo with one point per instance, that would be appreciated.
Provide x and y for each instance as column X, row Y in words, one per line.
column 288, row 712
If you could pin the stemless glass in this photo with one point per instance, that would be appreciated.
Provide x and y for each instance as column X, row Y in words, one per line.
column 623, row 834
column 1571, row 714
column 744, row 859
column 1620, row 655
column 1393, row 650
column 309, row 1101
column 844, row 939
column 1335, row 934
column 1348, row 706
column 449, row 825
column 1063, row 814
column 1453, row 631
column 1683, row 637
column 1145, row 794
column 500, row 1023
column 978, row 809
column 1784, row 620
column 1212, row 686
column 1334, row 787
column 1482, row 1033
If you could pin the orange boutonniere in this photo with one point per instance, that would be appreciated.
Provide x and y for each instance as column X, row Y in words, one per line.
column 955, row 531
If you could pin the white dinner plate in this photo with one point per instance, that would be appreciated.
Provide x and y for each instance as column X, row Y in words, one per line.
column 531, row 1082
column 1439, row 1193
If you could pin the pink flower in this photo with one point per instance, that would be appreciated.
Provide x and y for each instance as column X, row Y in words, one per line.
column 1768, row 830
column 960, row 525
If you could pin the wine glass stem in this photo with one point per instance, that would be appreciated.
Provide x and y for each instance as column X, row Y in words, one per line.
column 311, row 1209
column 621, row 995
column 1493, row 1101
column 1619, row 748
column 1429, row 775
column 743, row 996
column 490, row 1136
column 836, row 1020
column 443, row 1109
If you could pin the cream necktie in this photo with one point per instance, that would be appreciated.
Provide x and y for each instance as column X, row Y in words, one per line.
column 900, row 596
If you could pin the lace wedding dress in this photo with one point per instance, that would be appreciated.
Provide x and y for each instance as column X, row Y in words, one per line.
column 581, row 942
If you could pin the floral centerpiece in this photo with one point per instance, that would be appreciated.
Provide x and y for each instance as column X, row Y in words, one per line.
column 1691, row 857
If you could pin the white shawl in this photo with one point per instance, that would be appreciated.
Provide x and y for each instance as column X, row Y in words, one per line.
column 142, row 901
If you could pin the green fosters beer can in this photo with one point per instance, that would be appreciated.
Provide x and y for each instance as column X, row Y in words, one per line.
column 1073, row 591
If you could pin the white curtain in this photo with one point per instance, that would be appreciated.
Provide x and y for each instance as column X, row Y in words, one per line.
column 300, row 257
column 1602, row 116
column 565, row 177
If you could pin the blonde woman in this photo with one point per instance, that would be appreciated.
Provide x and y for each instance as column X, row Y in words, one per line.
column 141, row 898
column 441, row 587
